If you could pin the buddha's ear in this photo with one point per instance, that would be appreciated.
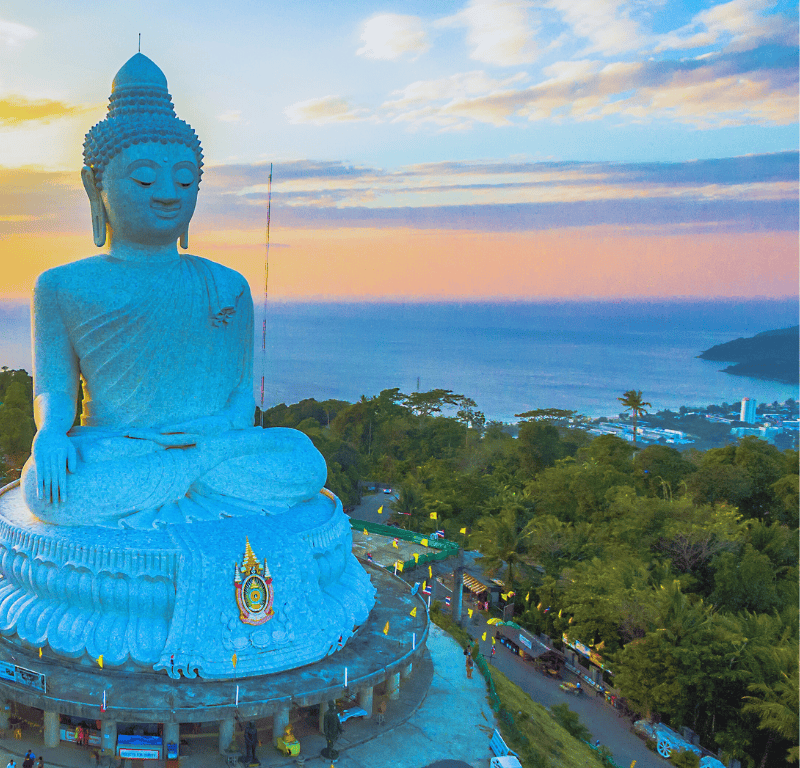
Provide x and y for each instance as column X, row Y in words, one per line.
column 99, row 218
column 184, row 240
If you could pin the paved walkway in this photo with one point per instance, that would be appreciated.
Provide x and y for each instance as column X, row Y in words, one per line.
column 440, row 715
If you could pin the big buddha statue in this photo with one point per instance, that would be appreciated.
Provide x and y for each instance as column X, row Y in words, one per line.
column 165, row 530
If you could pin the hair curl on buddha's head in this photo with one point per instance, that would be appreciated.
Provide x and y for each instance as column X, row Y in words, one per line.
column 140, row 111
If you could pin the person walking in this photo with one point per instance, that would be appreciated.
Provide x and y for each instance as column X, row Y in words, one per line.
column 11, row 763
column 470, row 665
column 494, row 652
column 27, row 761
column 40, row 764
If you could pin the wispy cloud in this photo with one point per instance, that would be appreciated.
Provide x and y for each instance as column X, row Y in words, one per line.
column 501, row 32
column 391, row 36
column 741, row 24
column 325, row 110
column 231, row 116
column 13, row 34
column 17, row 110
column 606, row 24
column 751, row 193
column 738, row 88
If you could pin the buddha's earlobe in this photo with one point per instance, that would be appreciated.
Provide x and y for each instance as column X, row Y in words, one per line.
column 99, row 219
column 184, row 241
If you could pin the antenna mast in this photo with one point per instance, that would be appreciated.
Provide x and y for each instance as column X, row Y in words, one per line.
column 266, row 293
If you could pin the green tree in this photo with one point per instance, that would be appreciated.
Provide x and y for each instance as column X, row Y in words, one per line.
column 502, row 543
column 775, row 703
column 632, row 400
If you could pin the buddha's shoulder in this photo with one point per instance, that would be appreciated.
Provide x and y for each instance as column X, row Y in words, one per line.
column 223, row 274
column 72, row 275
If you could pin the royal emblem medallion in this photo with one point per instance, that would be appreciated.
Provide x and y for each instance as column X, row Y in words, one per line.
column 253, row 585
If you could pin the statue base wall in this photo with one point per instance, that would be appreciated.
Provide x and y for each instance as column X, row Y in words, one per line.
column 166, row 599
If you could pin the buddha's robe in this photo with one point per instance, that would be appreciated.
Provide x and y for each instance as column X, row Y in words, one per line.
column 157, row 345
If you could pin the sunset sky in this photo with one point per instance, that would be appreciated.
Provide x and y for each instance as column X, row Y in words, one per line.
column 479, row 149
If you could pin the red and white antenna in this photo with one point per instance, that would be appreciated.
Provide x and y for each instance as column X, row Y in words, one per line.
column 266, row 293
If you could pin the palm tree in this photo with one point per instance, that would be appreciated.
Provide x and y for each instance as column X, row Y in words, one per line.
column 632, row 400
column 501, row 542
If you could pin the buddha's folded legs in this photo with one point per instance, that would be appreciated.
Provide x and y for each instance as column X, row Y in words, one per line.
column 262, row 466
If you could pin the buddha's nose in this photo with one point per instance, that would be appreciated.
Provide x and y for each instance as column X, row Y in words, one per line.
column 165, row 193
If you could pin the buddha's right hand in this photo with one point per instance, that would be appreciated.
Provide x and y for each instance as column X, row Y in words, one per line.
column 53, row 455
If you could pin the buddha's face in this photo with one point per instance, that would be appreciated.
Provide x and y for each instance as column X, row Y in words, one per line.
column 149, row 193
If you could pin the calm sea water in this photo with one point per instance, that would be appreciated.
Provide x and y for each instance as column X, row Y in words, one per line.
column 509, row 357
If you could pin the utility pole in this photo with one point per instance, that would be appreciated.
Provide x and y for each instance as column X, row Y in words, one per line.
column 458, row 587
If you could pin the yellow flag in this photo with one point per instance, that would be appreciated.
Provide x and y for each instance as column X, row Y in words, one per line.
column 416, row 557
column 463, row 530
column 528, row 597
column 365, row 532
column 100, row 660
column 399, row 566
column 559, row 612
column 394, row 544
column 483, row 637
column 380, row 509
column 601, row 645
column 469, row 611
column 234, row 660
column 430, row 572
column 40, row 653
column 493, row 641
column 413, row 611
column 433, row 516
column 424, row 542
column 386, row 629
column 570, row 620
column 424, row 585
column 539, row 607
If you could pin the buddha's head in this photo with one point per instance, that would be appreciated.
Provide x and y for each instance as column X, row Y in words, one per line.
column 142, row 164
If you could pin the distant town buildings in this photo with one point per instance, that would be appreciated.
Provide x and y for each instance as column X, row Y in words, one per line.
column 748, row 415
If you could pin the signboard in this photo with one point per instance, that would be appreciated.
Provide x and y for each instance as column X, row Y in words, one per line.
column 524, row 641
column 139, row 753
column 30, row 678
column 6, row 671
column 172, row 751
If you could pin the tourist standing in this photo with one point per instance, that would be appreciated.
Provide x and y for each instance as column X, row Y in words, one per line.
column 470, row 665
column 27, row 761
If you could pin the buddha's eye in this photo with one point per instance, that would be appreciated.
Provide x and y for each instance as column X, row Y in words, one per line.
column 144, row 176
column 184, row 177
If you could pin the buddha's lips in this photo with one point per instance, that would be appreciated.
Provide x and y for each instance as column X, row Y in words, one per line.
column 166, row 213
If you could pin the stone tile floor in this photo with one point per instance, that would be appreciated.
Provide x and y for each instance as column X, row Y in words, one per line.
column 440, row 715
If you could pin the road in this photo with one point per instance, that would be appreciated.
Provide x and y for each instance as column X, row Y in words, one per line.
column 367, row 510
column 601, row 720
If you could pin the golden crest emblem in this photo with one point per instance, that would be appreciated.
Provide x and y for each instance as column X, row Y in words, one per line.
column 253, row 585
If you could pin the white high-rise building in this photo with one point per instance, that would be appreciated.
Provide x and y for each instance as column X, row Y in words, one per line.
column 748, row 414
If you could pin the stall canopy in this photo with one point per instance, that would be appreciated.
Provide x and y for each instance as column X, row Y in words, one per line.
column 473, row 585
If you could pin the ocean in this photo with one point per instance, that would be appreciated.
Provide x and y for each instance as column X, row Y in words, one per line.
column 508, row 357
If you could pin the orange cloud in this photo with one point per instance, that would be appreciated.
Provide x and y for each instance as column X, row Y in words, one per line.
column 17, row 110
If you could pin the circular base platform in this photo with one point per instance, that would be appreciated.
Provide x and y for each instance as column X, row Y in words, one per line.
column 371, row 656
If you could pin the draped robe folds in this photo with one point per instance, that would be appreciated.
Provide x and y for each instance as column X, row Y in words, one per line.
column 176, row 351
column 174, row 343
